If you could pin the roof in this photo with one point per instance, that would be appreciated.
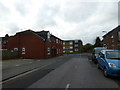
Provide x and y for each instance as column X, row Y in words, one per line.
column 112, row 31
column 55, row 37
column 42, row 34
column 72, row 40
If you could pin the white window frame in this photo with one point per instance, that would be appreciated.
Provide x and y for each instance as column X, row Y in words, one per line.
column 71, row 51
column 71, row 47
column 48, row 51
column 15, row 49
column 23, row 50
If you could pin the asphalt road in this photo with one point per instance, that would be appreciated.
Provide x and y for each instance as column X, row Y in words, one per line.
column 75, row 71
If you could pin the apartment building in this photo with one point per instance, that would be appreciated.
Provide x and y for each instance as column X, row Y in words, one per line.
column 112, row 39
column 72, row 46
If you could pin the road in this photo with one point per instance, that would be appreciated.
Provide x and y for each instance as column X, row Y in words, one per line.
column 77, row 71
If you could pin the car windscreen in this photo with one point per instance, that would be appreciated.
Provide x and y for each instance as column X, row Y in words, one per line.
column 113, row 55
column 97, row 51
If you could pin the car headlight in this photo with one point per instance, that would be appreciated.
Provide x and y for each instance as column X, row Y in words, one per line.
column 112, row 65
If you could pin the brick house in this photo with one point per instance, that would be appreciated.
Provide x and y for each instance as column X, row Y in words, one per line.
column 3, row 41
column 112, row 39
column 72, row 46
column 35, row 45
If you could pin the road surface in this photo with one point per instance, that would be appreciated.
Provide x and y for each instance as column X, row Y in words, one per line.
column 77, row 71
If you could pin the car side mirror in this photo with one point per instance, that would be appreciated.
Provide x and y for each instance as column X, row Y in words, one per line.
column 102, row 56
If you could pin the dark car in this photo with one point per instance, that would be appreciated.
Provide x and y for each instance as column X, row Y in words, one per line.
column 96, row 52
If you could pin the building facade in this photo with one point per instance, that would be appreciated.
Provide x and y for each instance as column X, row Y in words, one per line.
column 72, row 46
column 35, row 45
column 3, row 41
column 112, row 39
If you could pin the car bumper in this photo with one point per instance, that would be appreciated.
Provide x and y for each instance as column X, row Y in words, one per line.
column 114, row 72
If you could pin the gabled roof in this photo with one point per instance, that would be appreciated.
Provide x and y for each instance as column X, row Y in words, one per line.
column 112, row 31
column 42, row 34
column 56, row 37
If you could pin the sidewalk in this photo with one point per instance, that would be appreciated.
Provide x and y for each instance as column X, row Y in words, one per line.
column 16, row 62
column 15, row 67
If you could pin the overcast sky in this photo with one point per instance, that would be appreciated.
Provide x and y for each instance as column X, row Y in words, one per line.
column 67, row 19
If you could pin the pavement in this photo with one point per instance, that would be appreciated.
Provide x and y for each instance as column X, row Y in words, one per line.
column 11, row 68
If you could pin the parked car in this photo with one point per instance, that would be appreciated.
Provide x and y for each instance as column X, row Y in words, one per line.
column 95, row 53
column 109, row 62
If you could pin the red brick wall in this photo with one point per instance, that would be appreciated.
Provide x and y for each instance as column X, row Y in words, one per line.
column 112, row 44
column 33, row 44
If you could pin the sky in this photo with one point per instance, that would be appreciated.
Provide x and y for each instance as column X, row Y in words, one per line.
column 66, row 19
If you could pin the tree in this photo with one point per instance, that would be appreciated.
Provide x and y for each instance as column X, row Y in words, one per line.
column 87, row 48
column 98, row 42
column 6, row 35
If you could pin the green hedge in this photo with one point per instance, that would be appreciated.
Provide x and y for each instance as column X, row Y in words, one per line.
column 6, row 54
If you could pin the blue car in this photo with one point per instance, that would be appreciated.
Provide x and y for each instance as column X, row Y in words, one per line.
column 109, row 62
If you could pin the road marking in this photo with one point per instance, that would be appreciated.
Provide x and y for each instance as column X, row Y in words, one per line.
column 67, row 86
column 75, row 66
column 17, row 65
column 30, row 62
column 38, row 60
column 27, row 72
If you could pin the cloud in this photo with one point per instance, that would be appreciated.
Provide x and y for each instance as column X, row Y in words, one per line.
column 67, row 19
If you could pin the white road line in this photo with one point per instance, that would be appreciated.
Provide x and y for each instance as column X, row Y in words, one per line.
column 38, row 60
column 30, row 62
column 22, row 74
column 67, row 86
column 75, row 66
column 17, row 65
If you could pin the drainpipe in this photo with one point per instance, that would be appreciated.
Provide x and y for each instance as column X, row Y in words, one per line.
column 44, row 48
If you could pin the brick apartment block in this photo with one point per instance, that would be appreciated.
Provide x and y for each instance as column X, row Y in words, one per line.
column 35, row 45
column 72, row 46
column 112, row 39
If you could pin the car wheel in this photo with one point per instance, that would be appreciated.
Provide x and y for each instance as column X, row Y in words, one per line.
column 105, row 73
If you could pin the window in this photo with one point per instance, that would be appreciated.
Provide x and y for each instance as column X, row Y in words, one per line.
column 112, row 38
column 56, row 40
column 48, row 51
column 76, row 45
column 76, row 50
column 119, row 35
column 71, row 47
column 71, row 51
column 63, row 51
column 15, row 49
column 71, row 42
column 57, row 51
column 76, row 41
column 23, row 50
column 48, row 35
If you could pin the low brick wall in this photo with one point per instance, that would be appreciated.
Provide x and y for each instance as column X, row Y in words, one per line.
column 6, row 54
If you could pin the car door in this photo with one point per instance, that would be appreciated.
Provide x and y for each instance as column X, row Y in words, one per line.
column 102, row 60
